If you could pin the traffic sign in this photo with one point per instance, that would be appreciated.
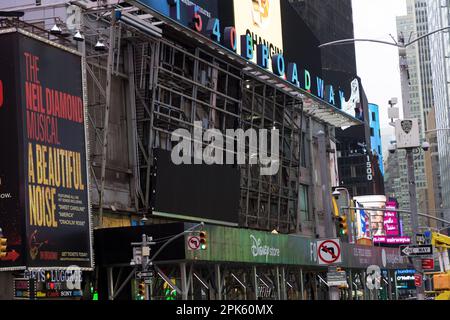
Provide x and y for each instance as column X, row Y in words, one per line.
column 145, row 274
column 428, row 264
column 193, row 243
column 408, row 251
column 137, row 255
column 329, row 251
column 418, row 280
column 420, row 239
column 336, row 278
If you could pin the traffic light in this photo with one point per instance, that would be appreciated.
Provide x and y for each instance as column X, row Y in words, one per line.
column 141, row 290
column 203, row 240
column 343, row 225
column 3, row 247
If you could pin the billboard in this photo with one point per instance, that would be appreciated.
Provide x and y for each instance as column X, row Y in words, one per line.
column 376, row 217
column 208, row 193
column 261, row 19
column 46, row 217
column 391, row 222
column 383, row 227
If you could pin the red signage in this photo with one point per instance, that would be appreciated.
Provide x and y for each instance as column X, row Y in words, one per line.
column 428, row 264
column 418, row 280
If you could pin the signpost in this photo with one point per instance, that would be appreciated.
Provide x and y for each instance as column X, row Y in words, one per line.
column 329, row 252
column 416, row 251
column 141, row 258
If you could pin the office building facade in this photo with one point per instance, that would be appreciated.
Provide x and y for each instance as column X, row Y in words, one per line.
column 439, row 17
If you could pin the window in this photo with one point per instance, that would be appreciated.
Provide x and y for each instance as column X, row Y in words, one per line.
column 304, row 203
column 353, row 171
column 374, row 117
column 372, row 132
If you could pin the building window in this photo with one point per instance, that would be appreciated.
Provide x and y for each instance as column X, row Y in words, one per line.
column 353, row 171
column 304, row 203
column 372, row 132
column 374, row 117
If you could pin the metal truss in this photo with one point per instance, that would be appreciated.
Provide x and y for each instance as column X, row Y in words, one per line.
column 170, row 85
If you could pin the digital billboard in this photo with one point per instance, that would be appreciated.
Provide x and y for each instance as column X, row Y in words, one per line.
column 208, row 193
column 371, row 204
column 391, row 222
column 46, row 218
column 261, row 19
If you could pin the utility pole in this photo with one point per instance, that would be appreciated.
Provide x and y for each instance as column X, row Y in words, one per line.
column 141, row 257
column 146, row 241
column 330, row 231
column 414, row 218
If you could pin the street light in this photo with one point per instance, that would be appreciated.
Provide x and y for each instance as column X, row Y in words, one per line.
column 404, row 73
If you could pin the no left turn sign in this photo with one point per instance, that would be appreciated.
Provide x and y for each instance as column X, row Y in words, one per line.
column 329, row 251
column 193, row 243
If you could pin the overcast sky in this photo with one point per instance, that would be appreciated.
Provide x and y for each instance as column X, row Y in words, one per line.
column 378, row 63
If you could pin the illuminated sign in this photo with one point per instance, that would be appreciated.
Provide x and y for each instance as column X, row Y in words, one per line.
column 391, row 222
column 369, row 169
column 258, row 37
column 376, row 217
column 42, row 129
column 391, row 240
column 264, row 29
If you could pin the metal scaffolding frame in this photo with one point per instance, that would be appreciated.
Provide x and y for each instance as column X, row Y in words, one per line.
column 168, row 85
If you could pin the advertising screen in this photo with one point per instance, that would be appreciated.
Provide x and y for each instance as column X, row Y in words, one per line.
column 49, row 224
column 391, row 223
column 195, row 192
column 261, row 19
column 371, row 204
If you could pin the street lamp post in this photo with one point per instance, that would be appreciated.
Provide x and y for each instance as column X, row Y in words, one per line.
column 402, row 46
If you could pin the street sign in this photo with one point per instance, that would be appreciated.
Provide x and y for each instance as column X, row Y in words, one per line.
column 336, row 278
column 420, row 239
column 428, row 264
column 329, row 251
column 145, row 274
column 137, row 255
column 416, row 251
column 193, row 243
column 418, row 280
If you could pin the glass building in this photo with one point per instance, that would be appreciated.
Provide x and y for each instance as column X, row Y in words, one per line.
column 439, row 17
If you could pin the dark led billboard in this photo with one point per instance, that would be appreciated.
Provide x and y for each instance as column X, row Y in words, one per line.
column 46, row 217
column 197, row 192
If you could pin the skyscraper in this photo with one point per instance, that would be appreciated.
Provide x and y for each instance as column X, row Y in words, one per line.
column 439, row 17
column 421, row 100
